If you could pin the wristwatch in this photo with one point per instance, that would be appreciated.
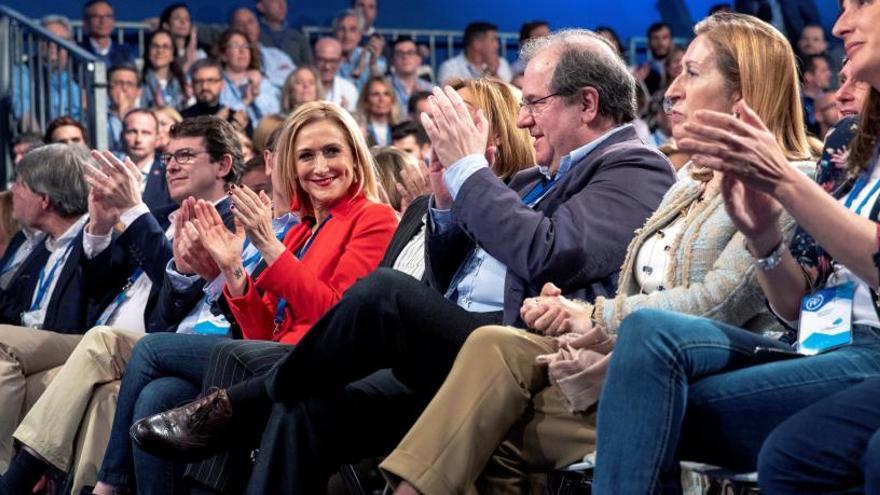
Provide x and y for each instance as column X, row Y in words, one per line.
column 772, row 260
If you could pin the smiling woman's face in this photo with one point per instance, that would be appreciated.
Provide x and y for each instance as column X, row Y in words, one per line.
column 324, row 163
column 700, row 86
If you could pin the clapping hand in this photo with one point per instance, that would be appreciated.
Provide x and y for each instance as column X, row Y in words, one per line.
column 190, row 255
column 754, row 213
column 454, row 133
column 225, row 247
column 413, row 183
column 442, row 198
column 740, row 146
column 254, row 212
column 118, row 183
column 552, row 314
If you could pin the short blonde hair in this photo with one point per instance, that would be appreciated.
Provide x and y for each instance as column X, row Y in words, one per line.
column 365, row 94
column 757, row 61
column 285, row 161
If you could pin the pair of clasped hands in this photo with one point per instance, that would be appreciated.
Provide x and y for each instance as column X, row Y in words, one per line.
column 202, row 244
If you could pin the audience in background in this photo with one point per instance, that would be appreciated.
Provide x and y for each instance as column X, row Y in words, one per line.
column 275, row 65
column 410, row 137
column 337, row 89
column 23, row 143
column 177, row 20
column 99, row 25
column 67, row 130
column 245, row 87
column 275, row 32
column 390, row 164
column 659, row 46
column 380, row 110
column 167, row 117
column 124, row 90
column 301, row 86
column 359, row 63
column 405, row 63
column 369, row 10
column 817, row 80
column 163, row 81
column 479, row 58
column 530, row 30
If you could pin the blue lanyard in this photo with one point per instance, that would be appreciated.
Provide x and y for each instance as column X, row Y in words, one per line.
column 540, row 190
column 45, row 279
column 282, row 303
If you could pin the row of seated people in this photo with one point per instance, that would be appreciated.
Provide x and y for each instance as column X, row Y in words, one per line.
column 393, row 354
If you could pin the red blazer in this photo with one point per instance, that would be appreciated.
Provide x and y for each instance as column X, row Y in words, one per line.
column 349, row 246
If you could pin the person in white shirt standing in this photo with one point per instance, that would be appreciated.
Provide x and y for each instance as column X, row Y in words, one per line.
column 479, row 58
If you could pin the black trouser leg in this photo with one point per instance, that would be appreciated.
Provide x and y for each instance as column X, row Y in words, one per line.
column 386, row 320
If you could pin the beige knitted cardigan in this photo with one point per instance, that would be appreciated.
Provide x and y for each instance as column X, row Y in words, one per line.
column 710, row 274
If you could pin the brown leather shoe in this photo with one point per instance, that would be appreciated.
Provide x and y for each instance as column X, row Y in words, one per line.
column 188, row 433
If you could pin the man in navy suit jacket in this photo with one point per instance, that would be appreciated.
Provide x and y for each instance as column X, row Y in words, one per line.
column 140, row 129
column 49, row 195
column 125, row 254
column 99, row 23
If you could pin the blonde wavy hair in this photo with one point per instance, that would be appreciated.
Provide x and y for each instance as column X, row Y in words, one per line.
column 309, row 113
column 758, row 62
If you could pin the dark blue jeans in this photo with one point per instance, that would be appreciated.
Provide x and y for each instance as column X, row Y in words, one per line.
column 165, row 371
column 832, row 446
column 684, row 387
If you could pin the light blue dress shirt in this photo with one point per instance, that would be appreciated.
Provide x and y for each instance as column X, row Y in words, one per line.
column 478, row 285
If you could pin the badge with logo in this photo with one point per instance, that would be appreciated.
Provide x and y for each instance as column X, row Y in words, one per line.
column 826, row 319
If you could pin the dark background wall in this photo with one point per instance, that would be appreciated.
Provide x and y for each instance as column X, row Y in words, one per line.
column 628, row 17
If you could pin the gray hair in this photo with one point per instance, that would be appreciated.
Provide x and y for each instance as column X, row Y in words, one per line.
column 55, row 19
column 56, row 170
column 587, row 59
column 362, row 24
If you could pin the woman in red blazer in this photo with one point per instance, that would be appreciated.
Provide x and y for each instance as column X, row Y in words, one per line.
column 325, row 166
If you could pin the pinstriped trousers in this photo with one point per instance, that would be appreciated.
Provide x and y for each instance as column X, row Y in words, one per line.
column 230, row 363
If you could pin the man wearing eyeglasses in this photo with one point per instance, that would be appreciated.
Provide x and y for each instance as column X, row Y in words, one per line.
column 337, row 89
column 127, row 258
column 405, row 60
column 99, row 23
column 207, row 82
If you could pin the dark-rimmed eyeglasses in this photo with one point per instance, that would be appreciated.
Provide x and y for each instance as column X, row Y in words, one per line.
column 532, row 105
column 183, row 157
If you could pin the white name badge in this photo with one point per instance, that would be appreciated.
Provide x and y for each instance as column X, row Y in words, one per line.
column 826, row 319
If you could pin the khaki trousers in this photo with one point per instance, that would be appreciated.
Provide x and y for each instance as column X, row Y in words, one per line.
column 495, row 414
column 75, row 404
column 29, row 358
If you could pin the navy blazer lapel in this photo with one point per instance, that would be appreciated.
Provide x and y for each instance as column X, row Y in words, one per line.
column 71, row 266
